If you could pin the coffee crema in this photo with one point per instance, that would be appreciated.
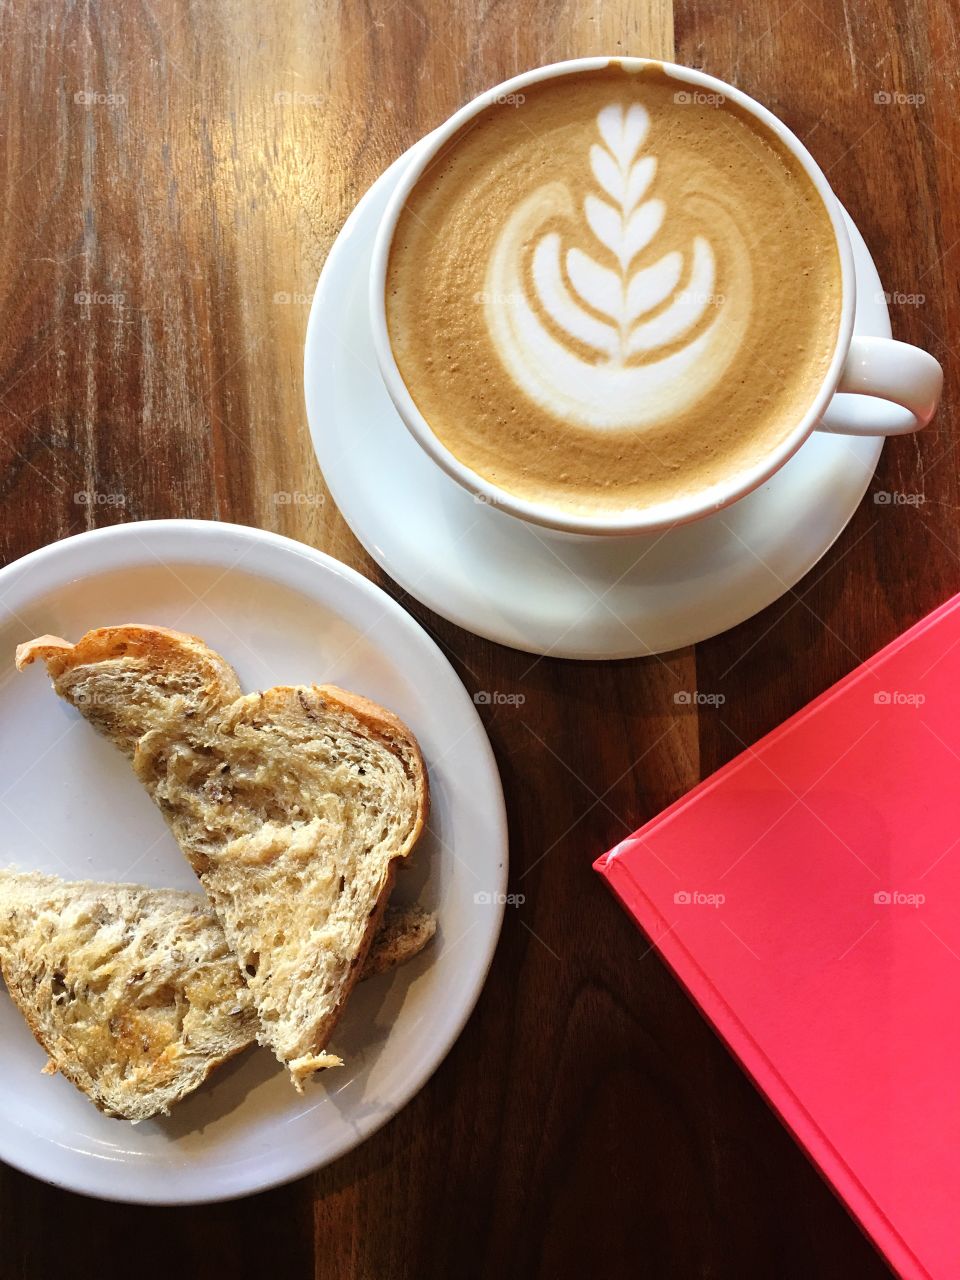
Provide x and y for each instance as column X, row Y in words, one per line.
column 613, row 291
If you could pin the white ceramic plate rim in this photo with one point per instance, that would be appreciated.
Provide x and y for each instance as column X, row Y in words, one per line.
column 332, row 585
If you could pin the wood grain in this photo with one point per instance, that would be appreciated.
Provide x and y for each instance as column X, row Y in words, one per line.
column 160, row 241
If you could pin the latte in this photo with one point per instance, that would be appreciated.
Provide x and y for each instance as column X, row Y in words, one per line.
column 613, row 291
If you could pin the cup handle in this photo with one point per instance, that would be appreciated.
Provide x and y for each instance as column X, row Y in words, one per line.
column 905, row 376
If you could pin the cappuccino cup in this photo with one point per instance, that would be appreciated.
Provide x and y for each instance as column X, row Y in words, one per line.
column 613, row 295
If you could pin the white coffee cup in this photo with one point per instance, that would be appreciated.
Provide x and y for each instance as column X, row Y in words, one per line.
column 904, row 380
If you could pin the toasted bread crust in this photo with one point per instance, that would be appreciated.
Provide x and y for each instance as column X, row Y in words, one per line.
column 154, row 646
column 391, row 728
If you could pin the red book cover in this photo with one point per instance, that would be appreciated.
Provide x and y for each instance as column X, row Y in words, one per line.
column 807, row 895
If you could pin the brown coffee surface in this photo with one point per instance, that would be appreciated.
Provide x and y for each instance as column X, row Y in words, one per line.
column 615, row 292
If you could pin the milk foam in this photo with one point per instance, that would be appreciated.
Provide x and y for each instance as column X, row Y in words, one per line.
column 569, row 326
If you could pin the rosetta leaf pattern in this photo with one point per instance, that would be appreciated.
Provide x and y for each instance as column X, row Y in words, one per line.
column 624, row 220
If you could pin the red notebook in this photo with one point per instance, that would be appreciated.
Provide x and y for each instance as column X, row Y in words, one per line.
column 807, row 895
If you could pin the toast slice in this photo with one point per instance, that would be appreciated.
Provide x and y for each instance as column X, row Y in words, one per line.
column 403, row 933
column 294, row 807
column 133, row 992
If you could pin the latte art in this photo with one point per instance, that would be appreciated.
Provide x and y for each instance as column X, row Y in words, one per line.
column 608, row 296
column 645, row 334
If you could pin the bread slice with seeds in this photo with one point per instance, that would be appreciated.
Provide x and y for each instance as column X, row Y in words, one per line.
column 133, row 992
column 294, row 806
column 404, row 932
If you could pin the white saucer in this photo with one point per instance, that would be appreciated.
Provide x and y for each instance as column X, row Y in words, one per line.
column 280, row 612
column 528, row 588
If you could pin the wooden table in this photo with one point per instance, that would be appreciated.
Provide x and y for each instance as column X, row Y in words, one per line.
column 186, row 167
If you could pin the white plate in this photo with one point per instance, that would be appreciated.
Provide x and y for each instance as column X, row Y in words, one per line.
column 280, row 612
column 526, row 587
